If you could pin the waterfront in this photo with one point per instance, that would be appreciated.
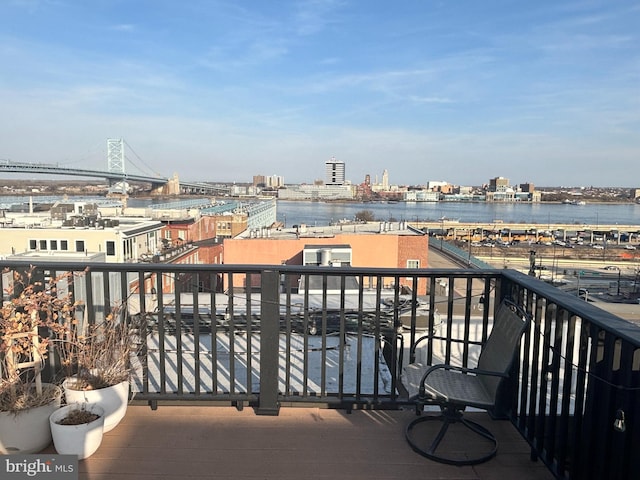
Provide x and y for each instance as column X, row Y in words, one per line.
column 324, row 213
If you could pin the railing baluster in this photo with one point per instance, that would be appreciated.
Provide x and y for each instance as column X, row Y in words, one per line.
column 196, row 332
column 467, row 320
column 359, row 333
column 162, row 354
column 555, row 351
column 288, row 338
column 567, row 387
column 249, row 339
column 323, row 333
column 377, row 337
column 306, row 332
column 231, row 335
column 341, row 340
column 179, row 340
column 89, row 304
column 213, row 282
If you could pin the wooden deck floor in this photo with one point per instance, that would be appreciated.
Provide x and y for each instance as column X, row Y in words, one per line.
column 202, row 442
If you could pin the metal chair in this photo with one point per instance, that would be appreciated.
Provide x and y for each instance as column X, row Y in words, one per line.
column 454, row 388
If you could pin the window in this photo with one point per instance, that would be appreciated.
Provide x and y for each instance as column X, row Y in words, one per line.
column 79, row 245
column 33, row 245
column 53, row 245
column 412, row 264
column 64, row 245
column 111, row 248
column 43, row 244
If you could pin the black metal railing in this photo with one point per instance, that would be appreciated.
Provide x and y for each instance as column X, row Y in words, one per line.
column 268, row 336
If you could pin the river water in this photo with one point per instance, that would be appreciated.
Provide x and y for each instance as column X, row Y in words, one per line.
column 324, row 213
column 321, row 213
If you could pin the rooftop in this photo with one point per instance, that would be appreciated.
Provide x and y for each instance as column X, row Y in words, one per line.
column 341, row 227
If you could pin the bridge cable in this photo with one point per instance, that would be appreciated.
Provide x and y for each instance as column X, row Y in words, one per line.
column 143, row 162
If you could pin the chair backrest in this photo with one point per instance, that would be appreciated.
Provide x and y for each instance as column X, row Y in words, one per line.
column 498, row 351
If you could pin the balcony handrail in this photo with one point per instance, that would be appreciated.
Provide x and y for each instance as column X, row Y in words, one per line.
column 626, row 330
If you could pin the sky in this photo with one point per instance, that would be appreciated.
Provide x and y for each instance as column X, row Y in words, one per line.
column 544, row 91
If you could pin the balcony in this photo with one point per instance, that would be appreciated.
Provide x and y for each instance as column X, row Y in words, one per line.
column 266, row 339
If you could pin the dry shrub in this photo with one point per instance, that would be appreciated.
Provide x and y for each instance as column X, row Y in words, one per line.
column 99, row 355
column 24, row 338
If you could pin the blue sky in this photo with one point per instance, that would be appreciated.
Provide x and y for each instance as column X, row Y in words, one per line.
column 544, row 91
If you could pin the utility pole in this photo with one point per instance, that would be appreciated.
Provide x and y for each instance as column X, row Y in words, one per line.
column 532, row 263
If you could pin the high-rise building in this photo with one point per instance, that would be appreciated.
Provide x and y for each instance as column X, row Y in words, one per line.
column 498, row 184
column 385, row 180
column 259, row 181
column 273, row 181
column 334, row 172
column 527, row 187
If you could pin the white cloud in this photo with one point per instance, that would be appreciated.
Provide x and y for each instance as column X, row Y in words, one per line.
column 313, row 16
column 124, row 27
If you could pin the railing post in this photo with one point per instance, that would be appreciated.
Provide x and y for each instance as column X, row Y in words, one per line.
column 269, row 343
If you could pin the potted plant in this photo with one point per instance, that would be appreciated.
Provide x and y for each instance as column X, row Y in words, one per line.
column 77, row 429
column 25, row 400
column 98, row 361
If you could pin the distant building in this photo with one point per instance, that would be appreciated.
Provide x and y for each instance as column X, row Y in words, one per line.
column 436, row 186
column 421, row 196
column 118, row 240
column 317, row 192
column 635, row 193
column 64, row 210
column 239, row 190
column 499, row 190
column 498, row 184
column 335, row 172
column 257, row 214
column 273, row 181
column 385, row 180
column 527, row 187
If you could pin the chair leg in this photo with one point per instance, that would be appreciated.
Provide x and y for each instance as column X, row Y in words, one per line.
column 449, row 417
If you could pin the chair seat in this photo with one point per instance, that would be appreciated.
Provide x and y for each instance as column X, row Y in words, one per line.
column 462, row 389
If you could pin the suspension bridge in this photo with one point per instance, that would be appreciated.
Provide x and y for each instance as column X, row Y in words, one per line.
column 116, row 173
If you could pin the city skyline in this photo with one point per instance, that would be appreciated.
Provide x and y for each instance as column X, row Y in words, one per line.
column 541, row 92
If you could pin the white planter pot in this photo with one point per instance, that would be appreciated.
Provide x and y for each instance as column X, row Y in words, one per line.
column 113, row 400
column 27, row 431
column 81, row 440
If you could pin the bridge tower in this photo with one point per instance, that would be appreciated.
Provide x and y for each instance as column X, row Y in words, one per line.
column 115, row 155
column 115, row 164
